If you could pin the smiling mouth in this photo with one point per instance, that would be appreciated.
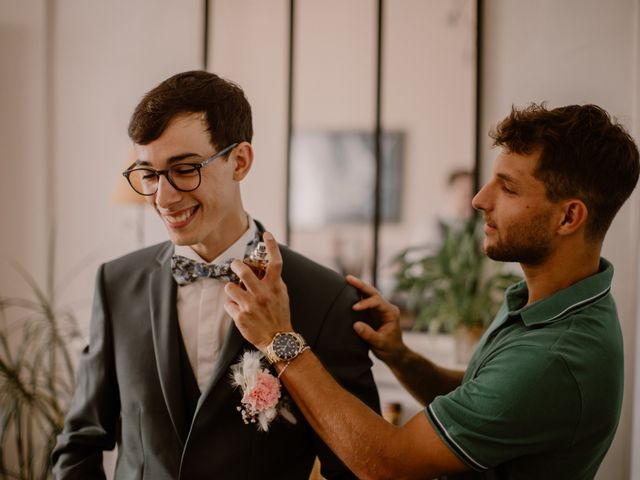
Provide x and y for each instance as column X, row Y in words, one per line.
column 179, row 219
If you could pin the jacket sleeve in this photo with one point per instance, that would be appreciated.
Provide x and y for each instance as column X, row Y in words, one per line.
column 346, row 356
column 91, row 422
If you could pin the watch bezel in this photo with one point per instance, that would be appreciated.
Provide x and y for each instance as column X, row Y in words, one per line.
column 272, row 350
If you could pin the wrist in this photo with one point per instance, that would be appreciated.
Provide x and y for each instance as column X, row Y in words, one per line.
column 399, row 356
column 264, row 345
column 280, row 367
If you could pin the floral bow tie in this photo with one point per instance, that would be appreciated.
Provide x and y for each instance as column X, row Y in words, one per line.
column 187, row 271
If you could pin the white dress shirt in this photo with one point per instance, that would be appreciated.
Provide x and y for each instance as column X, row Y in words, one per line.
column 201, row 315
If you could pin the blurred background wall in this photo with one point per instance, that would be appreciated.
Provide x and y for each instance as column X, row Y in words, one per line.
column 72, row 71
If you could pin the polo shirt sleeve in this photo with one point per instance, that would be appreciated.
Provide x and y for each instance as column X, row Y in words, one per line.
column 523, row 400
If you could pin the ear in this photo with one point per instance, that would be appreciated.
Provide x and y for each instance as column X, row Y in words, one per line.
column 574, row 217
column 243, row 157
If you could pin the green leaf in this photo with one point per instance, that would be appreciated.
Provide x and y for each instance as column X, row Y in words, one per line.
column 454, row 284
column 36, row 377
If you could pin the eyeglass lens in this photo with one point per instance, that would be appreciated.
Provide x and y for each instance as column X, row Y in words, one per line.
column 182, row 177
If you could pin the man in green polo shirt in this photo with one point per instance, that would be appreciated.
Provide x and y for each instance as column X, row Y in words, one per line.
column 541, row 396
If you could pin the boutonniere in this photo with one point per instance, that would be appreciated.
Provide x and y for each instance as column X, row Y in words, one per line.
column 262, row 396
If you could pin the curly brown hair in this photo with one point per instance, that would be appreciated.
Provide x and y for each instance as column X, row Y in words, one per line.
column 227, row 111
column 584, row 154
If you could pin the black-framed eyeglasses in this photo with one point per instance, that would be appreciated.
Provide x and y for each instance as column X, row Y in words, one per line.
column 184, row 177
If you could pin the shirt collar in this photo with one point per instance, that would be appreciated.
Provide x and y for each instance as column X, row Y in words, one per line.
column 562, row 303
column 236, row 250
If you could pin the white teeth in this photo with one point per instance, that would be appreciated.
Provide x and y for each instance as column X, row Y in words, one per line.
column 178, row 218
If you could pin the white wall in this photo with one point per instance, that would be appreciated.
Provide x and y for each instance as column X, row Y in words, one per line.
column 107, row 55
column 24, row 159
column 575, row 51
column 85, row 73
column 24, row 156
column 102, row 56
column 428, row 77
column 72, row 71
column 249, row 45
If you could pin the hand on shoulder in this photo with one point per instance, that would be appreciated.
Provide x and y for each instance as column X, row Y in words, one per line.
column 385, row 341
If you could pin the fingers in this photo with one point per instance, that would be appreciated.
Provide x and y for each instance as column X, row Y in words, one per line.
column 262, row 308
column 232, row 308
column 245, row 274
column 362, row 286
column 374, row 299
column 235, row 293
column 374, row 338
column 244, row 321
column 364, row 331
column 368, row 303
column 377, row 302
column 274, row 269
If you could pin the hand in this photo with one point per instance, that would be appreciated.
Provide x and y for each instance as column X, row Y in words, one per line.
column 386, row 342
column 262, row 310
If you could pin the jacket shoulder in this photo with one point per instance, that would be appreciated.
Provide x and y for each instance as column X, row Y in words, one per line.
column 139, row 260
column 297, row 269
column 311, row 285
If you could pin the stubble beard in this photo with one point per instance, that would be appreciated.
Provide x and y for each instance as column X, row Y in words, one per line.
column 530, row 245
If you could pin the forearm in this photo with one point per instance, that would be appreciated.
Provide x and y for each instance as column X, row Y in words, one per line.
column 370, row 446
column 362, row 439
column 422, row 378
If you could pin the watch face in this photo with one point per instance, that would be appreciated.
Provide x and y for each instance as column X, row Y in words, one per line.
column 286, row 346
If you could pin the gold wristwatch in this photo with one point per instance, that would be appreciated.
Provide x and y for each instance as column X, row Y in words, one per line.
column 284, row 347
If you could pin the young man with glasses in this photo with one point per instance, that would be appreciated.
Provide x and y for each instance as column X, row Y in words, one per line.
column 155, row 379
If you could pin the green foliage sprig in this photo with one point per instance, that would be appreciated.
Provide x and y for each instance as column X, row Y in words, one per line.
column 37, row 376
column 454, row 284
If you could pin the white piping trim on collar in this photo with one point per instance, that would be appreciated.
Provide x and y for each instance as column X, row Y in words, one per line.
column 578, row 304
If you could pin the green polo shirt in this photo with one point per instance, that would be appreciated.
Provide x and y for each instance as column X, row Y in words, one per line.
column 542, row 394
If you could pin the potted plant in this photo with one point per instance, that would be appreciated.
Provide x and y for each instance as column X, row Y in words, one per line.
column 36, row 379
column 454, row 288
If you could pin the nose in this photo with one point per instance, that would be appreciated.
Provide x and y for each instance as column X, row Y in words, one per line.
column 479, row 201
column 166, row 194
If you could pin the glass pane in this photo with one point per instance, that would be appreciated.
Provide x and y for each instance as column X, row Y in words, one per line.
column 332, row 167
column 257, row 61
column 428, row 96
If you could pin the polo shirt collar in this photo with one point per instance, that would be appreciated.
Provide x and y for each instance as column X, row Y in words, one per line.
column 562, row 303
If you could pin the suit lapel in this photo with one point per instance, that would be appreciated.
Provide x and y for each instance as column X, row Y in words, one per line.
column 164, row 326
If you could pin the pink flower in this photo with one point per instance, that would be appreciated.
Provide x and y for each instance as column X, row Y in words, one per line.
column 262, row 398
column 264, row 394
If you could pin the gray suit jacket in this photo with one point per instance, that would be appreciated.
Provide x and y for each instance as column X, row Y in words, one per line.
column 129, row 388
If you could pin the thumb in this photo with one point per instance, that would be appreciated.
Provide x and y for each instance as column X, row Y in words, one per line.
column 365, row 331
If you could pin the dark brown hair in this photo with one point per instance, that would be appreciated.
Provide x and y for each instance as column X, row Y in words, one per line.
column 227, row 111
column 584, row 154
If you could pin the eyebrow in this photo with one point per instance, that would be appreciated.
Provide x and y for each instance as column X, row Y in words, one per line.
column 171, row 160
column 506, row 178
